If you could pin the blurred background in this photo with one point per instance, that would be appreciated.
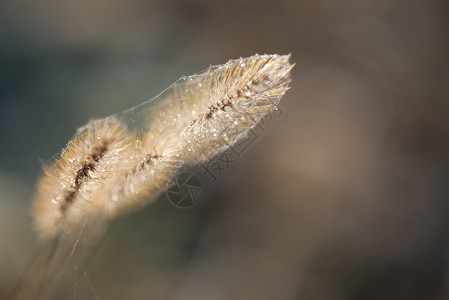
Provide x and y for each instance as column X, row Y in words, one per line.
column 343, row 196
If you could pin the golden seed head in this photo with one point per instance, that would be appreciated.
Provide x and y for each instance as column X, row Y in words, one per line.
column 106, row 169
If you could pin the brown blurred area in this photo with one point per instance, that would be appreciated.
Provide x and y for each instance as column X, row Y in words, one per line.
column 345, row 196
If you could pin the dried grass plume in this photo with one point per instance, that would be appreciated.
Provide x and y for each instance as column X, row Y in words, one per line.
column 124, row 161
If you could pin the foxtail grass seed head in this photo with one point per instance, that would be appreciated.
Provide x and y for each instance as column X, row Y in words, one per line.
column 124, row 161
column 66, row 191
column 145, row 172
column 214, row 109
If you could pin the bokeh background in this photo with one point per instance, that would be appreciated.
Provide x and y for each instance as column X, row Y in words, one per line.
column 344, row 196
